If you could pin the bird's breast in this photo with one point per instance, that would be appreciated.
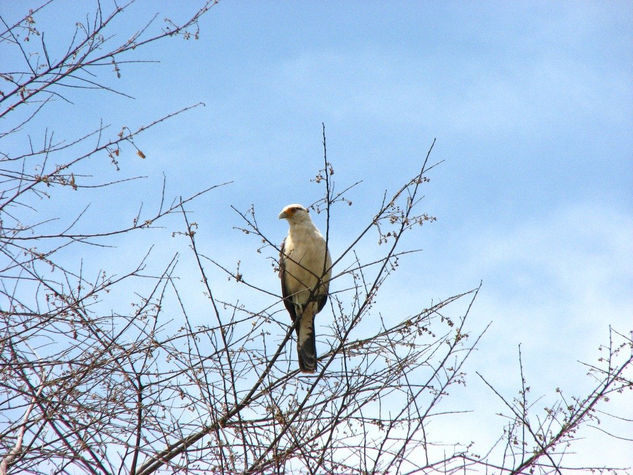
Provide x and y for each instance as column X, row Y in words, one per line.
column 305, row 262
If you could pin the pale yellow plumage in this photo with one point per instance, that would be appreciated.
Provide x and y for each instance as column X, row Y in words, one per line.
column 305, row 273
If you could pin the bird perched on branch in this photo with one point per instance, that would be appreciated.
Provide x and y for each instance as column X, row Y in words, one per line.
column 304, row 270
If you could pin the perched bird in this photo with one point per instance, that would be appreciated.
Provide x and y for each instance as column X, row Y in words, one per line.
column 304, row 270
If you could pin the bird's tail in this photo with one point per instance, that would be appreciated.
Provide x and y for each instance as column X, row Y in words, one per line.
column 306, row 345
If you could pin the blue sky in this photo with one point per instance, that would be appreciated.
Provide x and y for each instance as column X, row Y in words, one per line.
column 530, row 103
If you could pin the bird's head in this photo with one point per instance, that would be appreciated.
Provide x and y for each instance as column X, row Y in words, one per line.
column 295, row 214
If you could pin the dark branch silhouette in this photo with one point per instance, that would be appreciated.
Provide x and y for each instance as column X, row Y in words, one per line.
column 113, row 372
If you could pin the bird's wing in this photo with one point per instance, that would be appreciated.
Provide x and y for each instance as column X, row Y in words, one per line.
column 325, row 283
column 285, row 292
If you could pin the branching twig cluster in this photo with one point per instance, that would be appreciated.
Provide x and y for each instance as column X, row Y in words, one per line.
column 147, row 384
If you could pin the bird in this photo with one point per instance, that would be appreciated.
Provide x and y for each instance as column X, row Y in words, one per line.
column 305, row 270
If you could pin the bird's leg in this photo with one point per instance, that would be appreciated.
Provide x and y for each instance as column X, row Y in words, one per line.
column 299, row 313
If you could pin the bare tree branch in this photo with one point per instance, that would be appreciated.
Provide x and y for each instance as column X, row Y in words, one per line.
column 155, row 364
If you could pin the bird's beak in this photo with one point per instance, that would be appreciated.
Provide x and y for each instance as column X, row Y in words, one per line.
column 283, row 215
